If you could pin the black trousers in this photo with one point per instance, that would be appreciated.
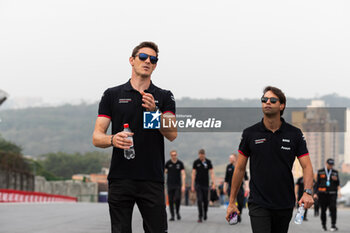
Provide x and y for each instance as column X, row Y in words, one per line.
column 316, row 207
column 264, row 220
column 327, row 200
column 174, row 195
column 240, row 198
column 149, row 197
column 202, row 200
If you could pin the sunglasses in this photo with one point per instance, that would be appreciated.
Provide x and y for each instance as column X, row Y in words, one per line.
column 144, row 56
column 273, row 100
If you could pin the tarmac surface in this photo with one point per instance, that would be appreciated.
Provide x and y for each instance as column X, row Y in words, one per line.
column 94, row 217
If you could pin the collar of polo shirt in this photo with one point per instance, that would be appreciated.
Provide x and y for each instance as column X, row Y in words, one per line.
column 263, row 127
column 128, row 87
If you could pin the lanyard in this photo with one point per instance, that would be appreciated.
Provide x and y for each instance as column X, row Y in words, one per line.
column 328, row 173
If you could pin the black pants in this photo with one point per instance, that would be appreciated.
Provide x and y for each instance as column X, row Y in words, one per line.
column 174, row 195
column 327, row 200
column 149, row 197
column 240, row 198
column 264, row 220
column 316, row 207
column 202, row 200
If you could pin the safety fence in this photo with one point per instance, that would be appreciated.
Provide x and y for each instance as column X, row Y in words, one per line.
column 10, row 195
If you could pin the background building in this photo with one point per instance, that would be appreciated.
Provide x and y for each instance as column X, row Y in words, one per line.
column 321, row 135
column 346, row 164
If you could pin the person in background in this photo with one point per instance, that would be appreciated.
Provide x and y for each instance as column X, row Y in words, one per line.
column 227, row 185
column 200, row 183
column 299, row 191
column 328, row 189
column 175, row 183
column 221, row 193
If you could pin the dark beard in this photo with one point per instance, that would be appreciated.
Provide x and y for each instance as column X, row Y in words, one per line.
column 270, row 114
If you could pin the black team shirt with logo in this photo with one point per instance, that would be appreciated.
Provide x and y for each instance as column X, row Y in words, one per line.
column 123, row 104
column 271, row 160
column 202, row 171
column 230, row 168
column 174, row 173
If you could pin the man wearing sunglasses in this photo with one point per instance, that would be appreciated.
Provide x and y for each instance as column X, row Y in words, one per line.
column 272, row 146
column 139, row 180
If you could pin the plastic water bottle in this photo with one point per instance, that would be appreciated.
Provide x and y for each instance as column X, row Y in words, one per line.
column 299, row 217
column 129, row 153
column 233, row 218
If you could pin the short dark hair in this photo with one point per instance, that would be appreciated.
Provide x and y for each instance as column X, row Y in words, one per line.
column 145, row 44
column 280, row 95
column 201, row 151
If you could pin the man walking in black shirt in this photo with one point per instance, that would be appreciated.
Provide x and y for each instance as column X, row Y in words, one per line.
column 272, row 146
column 175, row 183
column 299, row 191
column 228, row 180
column 138, row 180
column 328, row 188
column 200, row 183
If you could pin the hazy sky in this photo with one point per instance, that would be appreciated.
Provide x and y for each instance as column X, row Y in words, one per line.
column 62, row 50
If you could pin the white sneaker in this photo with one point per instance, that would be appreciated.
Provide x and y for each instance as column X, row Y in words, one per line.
column 334, row 228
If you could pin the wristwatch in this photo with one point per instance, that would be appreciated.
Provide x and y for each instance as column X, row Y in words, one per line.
column 308, row 191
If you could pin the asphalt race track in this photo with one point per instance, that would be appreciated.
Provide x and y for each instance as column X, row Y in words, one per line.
column 94, row 218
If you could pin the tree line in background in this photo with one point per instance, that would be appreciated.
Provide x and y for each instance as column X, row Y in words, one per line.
column 61, row 137
column 62, row 166
column 52, row 166
column 68, row 128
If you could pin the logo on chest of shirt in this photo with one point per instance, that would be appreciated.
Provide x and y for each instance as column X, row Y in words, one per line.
column 285, row 140
column 178, row 166
column 124, row 100
column 259, row 141
column 205, row 165
column 285, row 148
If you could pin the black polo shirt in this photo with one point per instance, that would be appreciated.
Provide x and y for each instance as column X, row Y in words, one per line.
column 123, row 104
column 202, row 171
column 230, row 168
column 322, row 181
column 174, row 173
column 271, row 160
column 229, row 173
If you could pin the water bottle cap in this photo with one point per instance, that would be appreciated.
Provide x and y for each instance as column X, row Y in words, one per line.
column 126, row 125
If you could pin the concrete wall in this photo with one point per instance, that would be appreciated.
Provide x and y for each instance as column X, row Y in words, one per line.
column 85, row 192
column 16, row 180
